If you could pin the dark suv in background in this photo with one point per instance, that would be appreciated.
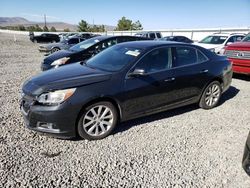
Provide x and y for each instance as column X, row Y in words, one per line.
column 45, row 37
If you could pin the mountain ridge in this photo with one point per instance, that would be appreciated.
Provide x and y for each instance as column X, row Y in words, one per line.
column 15, row 21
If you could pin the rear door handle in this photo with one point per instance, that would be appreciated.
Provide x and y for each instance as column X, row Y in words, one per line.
column 169, row 80
column 204, row 71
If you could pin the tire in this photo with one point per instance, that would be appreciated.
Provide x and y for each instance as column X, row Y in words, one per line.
column 211, row 95
column 98, row 125
column 54, row 50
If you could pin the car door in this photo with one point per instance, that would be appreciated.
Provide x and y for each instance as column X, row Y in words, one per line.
column 191, row 73
column 152, row 91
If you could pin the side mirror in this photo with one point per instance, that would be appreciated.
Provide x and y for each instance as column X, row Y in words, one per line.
column 229, row 43
column 137, row 72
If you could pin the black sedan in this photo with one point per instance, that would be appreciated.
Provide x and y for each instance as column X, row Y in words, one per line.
column 126, row 81
column 45, row 38
column 246, row 156
column 84, row 50
column 177, row 39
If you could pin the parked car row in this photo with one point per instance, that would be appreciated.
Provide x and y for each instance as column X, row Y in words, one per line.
column 110, row 79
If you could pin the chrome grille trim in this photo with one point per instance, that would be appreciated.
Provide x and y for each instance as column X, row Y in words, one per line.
column 237, row 54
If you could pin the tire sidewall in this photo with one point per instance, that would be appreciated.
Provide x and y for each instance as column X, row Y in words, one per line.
column 202, row 102
column 53, row 50
column 80, row 130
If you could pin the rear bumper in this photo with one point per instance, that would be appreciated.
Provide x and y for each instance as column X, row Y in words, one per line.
column 246, row 157
column 241, row 66
column 227, row 80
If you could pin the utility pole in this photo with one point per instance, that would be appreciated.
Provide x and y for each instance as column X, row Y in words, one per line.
column 45, row 20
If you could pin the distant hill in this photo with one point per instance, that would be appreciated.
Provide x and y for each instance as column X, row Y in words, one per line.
column 15, row 21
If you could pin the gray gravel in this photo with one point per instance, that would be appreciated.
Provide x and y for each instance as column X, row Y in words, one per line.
column 186, row 147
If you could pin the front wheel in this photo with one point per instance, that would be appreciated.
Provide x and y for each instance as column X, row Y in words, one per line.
column 97, row 121
column 54, row 50
column 211, row 95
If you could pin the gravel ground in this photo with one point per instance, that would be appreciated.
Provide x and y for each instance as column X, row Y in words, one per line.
column 186, row 147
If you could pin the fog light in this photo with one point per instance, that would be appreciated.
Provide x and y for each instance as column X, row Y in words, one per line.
column 45, row 125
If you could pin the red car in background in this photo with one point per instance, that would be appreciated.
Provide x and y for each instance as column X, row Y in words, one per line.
column 239, row 54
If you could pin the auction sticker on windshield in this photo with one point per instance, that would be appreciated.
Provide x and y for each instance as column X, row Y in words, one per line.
column 133, row 53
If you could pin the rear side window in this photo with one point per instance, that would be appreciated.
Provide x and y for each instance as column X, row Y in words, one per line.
column 201, row 57
column 184, row 56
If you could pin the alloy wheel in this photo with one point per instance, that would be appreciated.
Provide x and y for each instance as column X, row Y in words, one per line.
column 98, row 120
column 212, row 95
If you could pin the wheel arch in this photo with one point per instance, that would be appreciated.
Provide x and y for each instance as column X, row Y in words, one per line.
column 101, row 99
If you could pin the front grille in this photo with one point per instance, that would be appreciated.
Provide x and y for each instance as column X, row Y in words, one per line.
column 237, row 54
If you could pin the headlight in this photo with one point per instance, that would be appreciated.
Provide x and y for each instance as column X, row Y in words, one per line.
column 212, row 49
column 55, row 97
column 61, row 61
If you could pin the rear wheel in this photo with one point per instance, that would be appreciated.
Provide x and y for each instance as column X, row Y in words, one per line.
column 211, row 95
column 97, row 121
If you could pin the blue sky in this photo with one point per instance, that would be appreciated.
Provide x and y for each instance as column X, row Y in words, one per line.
column 154, row 14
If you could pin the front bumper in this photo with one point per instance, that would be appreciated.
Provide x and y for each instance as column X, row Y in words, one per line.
column 56, row 120
column 246, row 156
column 45, row 50
column 241, row 66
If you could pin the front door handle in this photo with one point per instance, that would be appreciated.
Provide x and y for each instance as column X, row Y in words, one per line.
column 169, row 80
column 204, row 71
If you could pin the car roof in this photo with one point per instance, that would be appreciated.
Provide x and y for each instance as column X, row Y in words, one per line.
column 104, row 37
column 148, row 44
column 227, row 34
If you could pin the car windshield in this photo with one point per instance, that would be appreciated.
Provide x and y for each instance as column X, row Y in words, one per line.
column 214, row 40
column 114, row 58
column 84, row 45
column 246, row 39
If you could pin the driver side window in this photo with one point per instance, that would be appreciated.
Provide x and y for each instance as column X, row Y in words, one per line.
column 156, row 60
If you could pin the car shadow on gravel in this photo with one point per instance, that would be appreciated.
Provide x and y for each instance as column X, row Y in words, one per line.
column 162, row 115
column 229, row 94
column 241, row 77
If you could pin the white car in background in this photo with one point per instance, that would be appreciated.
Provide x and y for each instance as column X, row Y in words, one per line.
column 218, row 41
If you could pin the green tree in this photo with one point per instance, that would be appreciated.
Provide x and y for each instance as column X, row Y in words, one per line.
column 66, row 30
column 124, row 24
column 45, row 28
column 37, row 28
column 137, row 25
column 83, row 26
column 21, row 28
column 53, row 29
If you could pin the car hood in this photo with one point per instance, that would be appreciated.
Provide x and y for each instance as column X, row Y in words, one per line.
column 69, row 76
column 240, row 45
column 57, row 55
column 207, row 46
column 51, row 45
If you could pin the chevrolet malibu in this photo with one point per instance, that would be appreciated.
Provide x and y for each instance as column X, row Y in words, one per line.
column 123, row 82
